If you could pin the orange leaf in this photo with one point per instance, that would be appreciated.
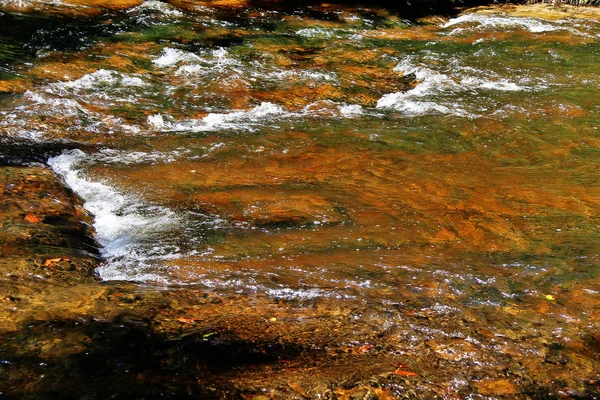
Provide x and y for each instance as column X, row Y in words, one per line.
column 365, row 348
column 32, row 218
column 51, row 262
column 402, row 372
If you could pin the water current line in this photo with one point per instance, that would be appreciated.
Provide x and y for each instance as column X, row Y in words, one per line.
column 124, row 225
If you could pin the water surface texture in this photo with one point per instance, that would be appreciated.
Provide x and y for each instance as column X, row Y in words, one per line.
column 444, row 168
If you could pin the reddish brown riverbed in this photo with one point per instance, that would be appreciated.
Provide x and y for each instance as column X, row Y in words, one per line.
column 223, row 201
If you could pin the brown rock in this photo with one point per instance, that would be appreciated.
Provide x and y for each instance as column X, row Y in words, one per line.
column 497, row 387
column 45, row 229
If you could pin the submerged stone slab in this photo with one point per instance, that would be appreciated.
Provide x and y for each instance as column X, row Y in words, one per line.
column 271, row 207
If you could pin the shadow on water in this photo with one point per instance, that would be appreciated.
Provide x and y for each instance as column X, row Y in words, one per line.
column 16, row 152
column 121, row 358
column 23, row 36
column 405, row 8
column 130, row 356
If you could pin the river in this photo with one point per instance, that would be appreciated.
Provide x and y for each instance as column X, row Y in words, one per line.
column 446, row 169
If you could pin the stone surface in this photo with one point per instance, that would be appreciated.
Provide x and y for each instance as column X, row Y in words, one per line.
column 44, row 230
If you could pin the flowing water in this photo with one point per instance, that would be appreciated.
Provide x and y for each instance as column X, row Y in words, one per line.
column 450, row 167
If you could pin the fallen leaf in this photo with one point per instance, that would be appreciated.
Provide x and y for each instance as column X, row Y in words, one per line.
column 51, row 262
column 32, row 218
column 365, row 348
column 402, row 372
column 549, row 297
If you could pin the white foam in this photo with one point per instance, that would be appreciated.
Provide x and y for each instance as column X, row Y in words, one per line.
column 68, row 101
column 238, row 120
column 157, row 6
column 263, row 114
column 316, row 32
column 156, row 121
column 26, row 119
column 402, row 102
column 79, row 104
column 215, row 61
column 534, row 25
column 50, row 104
column 102, row 78
column 501, row 84
column 24, row 4
column 112, row 156
column 298, row 294
column 170, row 57
column 122, row 223
column 433, row 85
column 307, row 74
column 414, row 101
column 351, row 110
column 194, row 69
column 233, row 119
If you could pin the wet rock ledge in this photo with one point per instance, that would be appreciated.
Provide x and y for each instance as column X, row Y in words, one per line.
column 46, row 236
column 44, row 230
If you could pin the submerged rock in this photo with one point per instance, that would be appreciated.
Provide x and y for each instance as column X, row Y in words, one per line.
column 271, row 207
column 61, row 330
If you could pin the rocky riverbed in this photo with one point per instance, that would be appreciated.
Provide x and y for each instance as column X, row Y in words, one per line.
column 495, row 294
column 65, row 334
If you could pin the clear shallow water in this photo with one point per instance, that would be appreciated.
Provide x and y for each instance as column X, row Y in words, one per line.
column 302, row 192
column 330, row 154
